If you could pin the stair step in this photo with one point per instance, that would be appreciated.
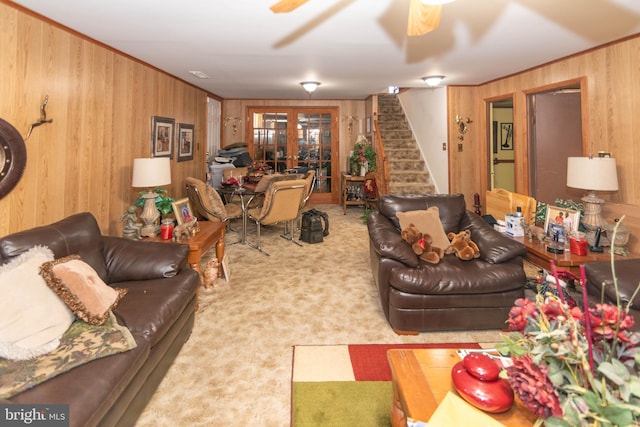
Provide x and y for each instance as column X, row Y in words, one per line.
column 403, row 154
column 406, row 165
column 388, row 135
column 411, row 189
column 409, row 177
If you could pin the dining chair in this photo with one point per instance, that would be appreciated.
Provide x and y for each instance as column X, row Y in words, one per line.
column 208, row 204
column 282, row 203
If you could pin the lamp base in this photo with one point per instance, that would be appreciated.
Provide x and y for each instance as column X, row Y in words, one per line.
column 593, row 218
column 150, row 215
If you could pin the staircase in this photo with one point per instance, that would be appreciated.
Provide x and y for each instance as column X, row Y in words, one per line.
column 407, row 169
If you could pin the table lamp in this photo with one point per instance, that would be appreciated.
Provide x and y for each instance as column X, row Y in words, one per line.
column 150, row 173
column 592, row 174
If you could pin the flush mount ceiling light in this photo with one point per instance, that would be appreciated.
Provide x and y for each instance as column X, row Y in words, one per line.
column 436, row 2
column 199, row 74
column 433, row 81
column 310, row 87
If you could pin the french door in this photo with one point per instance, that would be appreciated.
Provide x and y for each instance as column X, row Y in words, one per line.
column 300, row 138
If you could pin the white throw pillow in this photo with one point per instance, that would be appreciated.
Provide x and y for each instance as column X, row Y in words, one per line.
column 32, row 317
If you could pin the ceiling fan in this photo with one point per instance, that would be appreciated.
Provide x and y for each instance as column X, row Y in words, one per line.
column 424, row 15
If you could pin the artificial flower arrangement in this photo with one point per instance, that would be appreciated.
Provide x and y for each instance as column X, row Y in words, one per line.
column 574, row 366
column 363, row 156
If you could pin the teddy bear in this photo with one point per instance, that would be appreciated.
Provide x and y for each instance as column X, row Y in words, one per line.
column 462, row 245
column 421, row 245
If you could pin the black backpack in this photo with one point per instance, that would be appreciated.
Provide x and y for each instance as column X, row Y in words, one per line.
column 312, row 230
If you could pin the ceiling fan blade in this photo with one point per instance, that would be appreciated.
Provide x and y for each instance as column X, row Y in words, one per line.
column 423, row 18
column 284, row 6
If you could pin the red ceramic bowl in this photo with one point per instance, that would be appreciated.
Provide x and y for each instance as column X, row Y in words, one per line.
column 489, row 396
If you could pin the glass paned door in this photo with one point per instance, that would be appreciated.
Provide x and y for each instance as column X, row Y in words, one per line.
column 270, row 139
column 314, row 147
column 301, row 139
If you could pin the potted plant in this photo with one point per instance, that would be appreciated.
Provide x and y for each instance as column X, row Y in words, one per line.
column 363, row 158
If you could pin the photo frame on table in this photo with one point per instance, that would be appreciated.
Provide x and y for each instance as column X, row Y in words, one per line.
column 182, row 210
column 560, row 221
column 506, row 136
column 185, row 142
column 162, row 134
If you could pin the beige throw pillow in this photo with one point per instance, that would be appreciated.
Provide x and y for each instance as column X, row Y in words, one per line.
column 80, row 287
column 426, row 221
column 32, row 317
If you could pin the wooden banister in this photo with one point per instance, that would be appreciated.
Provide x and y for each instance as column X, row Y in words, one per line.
column 382, row 172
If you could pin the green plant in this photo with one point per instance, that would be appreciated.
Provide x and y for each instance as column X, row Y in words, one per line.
column 163, row 201
column 363, row 152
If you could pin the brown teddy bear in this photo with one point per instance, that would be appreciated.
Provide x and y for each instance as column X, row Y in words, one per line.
column 421, row 245
column 462, row 245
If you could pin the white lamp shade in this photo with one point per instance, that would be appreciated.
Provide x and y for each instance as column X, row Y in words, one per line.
column 592, row 173
column 152, row 172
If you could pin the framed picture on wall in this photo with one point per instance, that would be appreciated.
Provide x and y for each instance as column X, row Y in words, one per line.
column 162, row 131
column 506, row 136
column 185, row 142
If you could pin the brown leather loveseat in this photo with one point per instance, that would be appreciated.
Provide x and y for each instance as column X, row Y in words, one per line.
column 599, row 277
column 450, row 295
column 159, row 310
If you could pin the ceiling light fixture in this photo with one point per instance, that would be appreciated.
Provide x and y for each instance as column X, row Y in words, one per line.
column 199, row 74
column 433, row 81
column 310, row 87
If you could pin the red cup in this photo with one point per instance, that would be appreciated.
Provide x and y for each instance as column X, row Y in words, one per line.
column 578, row 245
column 166, row 230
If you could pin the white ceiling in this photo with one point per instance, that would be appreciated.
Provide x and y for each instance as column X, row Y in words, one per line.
column 354, row 47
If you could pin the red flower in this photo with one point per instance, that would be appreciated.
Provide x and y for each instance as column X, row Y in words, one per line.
column 605, row 317
column 520, row 314
column 534, row 388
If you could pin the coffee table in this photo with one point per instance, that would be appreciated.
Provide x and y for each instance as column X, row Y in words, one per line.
column 421, row 380
column 210, row 234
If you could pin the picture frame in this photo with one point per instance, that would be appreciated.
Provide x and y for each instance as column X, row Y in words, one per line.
column 559, row 222
column 506, row 136
column 182, row 210
column 184, row 144
column 162, row 135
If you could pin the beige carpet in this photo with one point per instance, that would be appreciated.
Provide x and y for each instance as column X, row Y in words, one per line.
column 236, row 368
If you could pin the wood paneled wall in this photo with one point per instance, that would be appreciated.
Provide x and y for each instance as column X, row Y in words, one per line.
column 611, row 102
column 101, row 103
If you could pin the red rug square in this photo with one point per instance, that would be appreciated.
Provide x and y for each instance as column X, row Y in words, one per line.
column 369, row 361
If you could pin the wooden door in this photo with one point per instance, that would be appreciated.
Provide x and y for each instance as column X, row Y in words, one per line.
column 299, row 138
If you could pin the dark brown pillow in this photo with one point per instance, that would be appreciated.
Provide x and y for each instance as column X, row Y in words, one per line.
column 80, row 287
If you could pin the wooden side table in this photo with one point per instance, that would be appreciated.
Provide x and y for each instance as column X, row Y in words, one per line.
column 421, row 380
column 537, row 254
column 349, row 181
column 210, row 234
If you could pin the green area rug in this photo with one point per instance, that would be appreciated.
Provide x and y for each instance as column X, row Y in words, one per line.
column 345, row 385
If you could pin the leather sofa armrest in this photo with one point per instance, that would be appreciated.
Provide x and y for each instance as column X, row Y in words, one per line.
column 128, row 260
column 387, row 242
column 495, row 247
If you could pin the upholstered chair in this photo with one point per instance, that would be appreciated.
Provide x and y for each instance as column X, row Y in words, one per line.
column 208, row 204
column 282, row 203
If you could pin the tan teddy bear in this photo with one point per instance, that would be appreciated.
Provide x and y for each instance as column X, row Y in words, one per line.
column 463, row 246
column 421, row 245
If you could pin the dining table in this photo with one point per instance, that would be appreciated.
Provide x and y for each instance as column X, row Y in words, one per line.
column 246, row 193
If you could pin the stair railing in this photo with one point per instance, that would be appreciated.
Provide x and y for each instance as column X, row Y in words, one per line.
column 382, row 172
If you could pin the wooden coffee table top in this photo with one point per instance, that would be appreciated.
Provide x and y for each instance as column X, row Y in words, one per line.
column 422, row 378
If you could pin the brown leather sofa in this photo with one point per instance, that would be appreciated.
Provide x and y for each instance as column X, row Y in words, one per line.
column 450, row 295
column 158, row 309
column 598, row 274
